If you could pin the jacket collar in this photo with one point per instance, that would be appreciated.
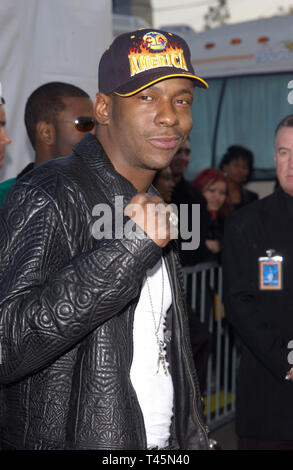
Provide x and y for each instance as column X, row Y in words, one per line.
column 288, row 201
column 101, row 168
column 279, row 202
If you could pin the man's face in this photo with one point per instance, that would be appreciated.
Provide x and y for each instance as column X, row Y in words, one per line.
column 4, row 137
column 147, row 129
column 165, row 184
column 237, row 170
column 67, row 136
column 181, row 159
column 284, row 158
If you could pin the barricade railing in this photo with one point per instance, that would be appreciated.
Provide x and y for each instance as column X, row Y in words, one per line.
column 204, row 292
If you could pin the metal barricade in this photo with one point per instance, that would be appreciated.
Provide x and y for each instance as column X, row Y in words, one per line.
column 204, row 292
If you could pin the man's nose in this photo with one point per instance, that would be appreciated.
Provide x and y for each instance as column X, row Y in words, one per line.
column 166, row 114
column 291, row 160
column 4, row 137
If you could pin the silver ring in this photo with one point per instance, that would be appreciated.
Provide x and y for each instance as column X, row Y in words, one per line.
column 173, row 219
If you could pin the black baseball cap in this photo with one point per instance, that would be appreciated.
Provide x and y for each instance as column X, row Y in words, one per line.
column 138, row 59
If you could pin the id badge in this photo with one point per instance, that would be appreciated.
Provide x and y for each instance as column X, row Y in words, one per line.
column 270, row 271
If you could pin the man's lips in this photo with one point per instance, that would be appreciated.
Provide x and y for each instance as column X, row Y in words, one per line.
column 164, row 142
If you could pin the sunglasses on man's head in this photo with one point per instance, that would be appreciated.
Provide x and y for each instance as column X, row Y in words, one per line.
column 83, row 123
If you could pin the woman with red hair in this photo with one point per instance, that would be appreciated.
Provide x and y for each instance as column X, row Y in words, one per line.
column 213, row 185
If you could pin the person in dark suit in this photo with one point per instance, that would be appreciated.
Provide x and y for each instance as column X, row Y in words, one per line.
column 258, row 294
column 237, row 164
column 185, row 193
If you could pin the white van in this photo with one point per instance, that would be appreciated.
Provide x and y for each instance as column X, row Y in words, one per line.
column 249, row 68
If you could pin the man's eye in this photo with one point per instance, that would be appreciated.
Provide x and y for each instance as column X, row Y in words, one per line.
column 145, row 97
column 283, row 153
column 182, row 101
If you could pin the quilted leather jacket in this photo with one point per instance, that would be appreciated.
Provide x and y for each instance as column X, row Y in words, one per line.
column 67, row 304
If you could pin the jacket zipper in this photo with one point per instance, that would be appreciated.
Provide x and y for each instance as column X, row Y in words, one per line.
column 201, row 425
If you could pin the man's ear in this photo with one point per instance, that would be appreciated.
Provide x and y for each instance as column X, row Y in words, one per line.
column 46, row 132
column 102, row 108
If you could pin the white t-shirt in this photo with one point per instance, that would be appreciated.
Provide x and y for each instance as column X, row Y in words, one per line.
column 153, row 387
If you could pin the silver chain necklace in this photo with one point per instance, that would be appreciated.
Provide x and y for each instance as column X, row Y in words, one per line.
column 160, row 343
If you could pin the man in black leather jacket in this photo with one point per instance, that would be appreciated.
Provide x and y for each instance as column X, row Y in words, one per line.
column 69, row 296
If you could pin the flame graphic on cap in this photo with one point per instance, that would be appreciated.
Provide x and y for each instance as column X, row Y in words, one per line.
column 142, row 46
column 142, row 55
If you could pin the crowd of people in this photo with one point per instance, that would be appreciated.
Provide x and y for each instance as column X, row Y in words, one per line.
column 218, row 191
column 95, row 339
